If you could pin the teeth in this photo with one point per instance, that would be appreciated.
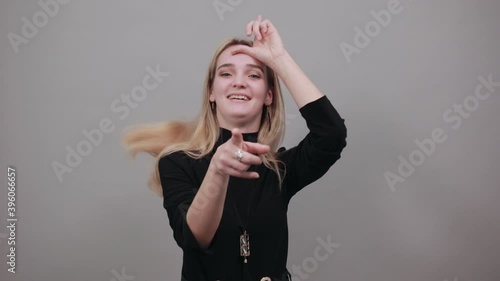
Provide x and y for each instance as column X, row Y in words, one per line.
column 238, row 97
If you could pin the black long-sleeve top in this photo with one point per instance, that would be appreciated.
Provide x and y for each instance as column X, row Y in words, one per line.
column 267, row 225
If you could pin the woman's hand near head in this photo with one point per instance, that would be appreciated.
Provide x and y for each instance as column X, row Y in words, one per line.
column 226, row 162
column 268, row 48
column 267, row 44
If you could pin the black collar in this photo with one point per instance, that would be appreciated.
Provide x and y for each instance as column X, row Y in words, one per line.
column 226, row 134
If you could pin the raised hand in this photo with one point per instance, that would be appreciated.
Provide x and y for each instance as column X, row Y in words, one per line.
column 267, row 44
column 235, row 156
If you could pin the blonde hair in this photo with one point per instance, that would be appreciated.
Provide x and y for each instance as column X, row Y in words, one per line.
column 198, row 137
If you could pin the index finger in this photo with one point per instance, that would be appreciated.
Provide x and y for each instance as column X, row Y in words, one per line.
column 237, row 137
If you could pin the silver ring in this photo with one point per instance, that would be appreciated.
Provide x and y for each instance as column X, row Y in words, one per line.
column 239, row 154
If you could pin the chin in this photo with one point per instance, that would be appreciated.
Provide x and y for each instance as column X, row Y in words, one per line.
column 242, row 115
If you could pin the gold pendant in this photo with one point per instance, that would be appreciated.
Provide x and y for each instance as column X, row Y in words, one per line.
column 245, row 245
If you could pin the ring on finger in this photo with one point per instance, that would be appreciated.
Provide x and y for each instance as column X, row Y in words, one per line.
column 239, row 154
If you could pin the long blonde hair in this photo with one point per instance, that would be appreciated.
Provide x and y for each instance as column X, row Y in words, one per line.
column 198, row 137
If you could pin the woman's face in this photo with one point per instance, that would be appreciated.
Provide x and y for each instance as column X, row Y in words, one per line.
column 240, row 91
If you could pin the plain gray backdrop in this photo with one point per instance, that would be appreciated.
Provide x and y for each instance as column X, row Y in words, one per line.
column 405, row 85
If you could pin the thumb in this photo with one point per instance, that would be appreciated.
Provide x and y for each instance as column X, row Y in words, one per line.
column 237, row 137
column 243, row 49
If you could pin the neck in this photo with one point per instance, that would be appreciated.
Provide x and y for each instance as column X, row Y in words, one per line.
column 246, row 124
column 245, row 128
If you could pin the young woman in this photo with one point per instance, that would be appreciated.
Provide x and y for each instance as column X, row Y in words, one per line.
column 225, row 184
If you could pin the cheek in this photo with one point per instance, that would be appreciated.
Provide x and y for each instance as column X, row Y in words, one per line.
column 221, row 84
column 217, row 89
column 259, row 89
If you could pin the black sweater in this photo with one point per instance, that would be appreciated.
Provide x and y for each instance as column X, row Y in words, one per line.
column 181, row 176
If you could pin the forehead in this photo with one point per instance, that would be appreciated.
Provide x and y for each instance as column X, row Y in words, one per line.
column 239, row 59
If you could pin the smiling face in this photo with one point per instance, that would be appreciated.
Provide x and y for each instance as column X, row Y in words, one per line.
column 240, row 91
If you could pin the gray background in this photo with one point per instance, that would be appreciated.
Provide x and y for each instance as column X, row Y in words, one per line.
column 441, row 223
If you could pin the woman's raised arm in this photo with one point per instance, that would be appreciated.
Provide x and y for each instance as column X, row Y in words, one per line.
column 269, row 49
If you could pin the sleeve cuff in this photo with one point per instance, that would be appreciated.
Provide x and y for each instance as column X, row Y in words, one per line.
column 190, row 242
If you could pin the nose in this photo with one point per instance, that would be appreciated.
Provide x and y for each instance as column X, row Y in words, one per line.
column 238, row 82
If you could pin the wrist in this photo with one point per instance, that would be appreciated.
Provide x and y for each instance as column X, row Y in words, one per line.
column 216, row 172
column 281, row 62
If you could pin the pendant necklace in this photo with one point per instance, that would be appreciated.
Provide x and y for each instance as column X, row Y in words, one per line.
column 245, row 245
column 245, row 236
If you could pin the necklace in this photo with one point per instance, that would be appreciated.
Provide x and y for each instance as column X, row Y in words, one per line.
column 244, row 243
column 245, row 236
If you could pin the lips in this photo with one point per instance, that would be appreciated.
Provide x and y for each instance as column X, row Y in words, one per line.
column 237, row 96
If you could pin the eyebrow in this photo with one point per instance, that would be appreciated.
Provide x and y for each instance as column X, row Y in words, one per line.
column 232, row 65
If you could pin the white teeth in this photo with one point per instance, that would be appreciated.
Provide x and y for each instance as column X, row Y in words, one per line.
column 238, row 97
